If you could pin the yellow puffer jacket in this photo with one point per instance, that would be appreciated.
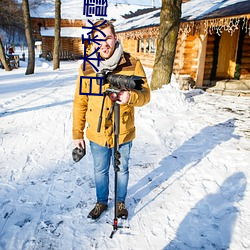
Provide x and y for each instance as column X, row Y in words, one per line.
column 87, row 108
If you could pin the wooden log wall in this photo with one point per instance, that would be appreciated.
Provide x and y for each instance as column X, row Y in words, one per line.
column 66, row 44
column 185, row 59
column 186, row 55
column 131, row 46
column 73, row 45
column 245, row 60
column 146, row 59
column 78, row 47
column 50, row 22
column 179, row 60
column 47, row 45
column 190, row 56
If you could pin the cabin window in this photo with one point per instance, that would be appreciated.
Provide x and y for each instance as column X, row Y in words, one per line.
column 146, row 45
column 152, row 45
column 141, row 45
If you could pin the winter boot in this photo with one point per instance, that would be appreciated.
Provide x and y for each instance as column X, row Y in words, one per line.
column 122, row 211
column 97, row 210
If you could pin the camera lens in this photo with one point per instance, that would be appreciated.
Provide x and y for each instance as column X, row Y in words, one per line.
column 113, row 96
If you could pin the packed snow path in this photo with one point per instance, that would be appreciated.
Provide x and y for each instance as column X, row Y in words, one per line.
column 189, row 170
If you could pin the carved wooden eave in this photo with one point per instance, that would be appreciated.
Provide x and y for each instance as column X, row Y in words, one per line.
column 208, row 26
column 147, row 32
column 217, row 25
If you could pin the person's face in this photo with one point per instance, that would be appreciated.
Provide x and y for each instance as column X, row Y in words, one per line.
column 107, row 47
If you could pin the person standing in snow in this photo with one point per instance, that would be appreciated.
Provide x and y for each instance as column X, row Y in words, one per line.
column 86, row 109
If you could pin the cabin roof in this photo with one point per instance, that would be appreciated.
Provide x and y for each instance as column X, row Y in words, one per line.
column 194, row 10
column 208, row 9
column 70, row 32
column 73, row 10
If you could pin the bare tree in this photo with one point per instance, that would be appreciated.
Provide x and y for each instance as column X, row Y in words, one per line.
column 56, row 59
column 11, row 23
column 36, row 3
column 28, row 33
column 3, row 57
column 11, row 16
column 168, row 34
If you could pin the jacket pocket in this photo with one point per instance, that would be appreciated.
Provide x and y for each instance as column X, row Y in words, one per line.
column 127, row 120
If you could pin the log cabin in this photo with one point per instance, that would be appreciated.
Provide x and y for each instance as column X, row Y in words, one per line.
column 213, row 41
column 71, row 46
column 72, row 23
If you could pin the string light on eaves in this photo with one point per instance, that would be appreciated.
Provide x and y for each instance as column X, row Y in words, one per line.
column 218, row 26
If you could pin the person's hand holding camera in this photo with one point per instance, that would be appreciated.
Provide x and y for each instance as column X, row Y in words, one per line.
column 79, row 143
column 79, row 151
column 123, row 97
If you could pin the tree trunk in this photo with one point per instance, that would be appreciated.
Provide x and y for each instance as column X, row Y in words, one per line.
column 168, row 34
column 29, row 38
column 56, row 59
column 3, row 57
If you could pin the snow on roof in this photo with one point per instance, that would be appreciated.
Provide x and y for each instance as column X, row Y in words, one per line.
column 145, row 20
column 74, row 10
column 66, row 32
column 197, row 9
column 192, row 10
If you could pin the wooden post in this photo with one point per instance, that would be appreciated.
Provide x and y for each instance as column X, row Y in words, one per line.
column 144, row 45
column 140, row 42
column 201, row 60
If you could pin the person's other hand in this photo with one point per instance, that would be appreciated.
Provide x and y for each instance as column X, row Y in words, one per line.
column 79, row 143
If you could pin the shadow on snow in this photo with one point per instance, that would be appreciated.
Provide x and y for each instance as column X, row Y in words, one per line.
column 23, row 110
column 190, row 153
column 209, row 225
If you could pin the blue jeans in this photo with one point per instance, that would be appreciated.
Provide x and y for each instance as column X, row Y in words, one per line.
column 102, row 157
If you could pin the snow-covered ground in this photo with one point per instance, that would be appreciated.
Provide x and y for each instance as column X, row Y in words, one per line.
column 189, row 170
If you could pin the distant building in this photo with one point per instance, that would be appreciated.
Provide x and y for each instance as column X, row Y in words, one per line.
column 72, row 25
column 71, row 31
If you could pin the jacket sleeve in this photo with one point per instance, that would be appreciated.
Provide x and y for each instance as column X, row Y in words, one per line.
column 141, row 97
column 80, row 106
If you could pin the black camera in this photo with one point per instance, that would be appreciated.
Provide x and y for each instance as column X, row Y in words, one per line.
column 78, row 153
column 120, row 81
